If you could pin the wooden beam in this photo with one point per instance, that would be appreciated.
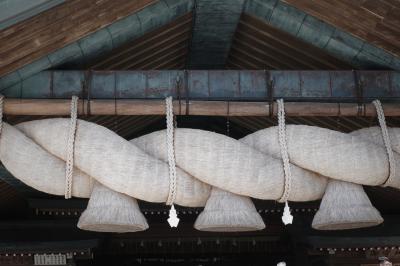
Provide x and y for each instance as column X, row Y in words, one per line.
column 47, row 247
column 53, row 29
column 58, row 107
column 233, row 85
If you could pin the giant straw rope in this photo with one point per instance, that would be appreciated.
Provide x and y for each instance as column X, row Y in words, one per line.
column 35, row 153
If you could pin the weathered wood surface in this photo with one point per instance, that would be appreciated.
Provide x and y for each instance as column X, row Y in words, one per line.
column 164, row 48
column 342, row 44
column 258, row 45
column 60, row 107
column 14, row 11
column 375, row 21
column 40, row 35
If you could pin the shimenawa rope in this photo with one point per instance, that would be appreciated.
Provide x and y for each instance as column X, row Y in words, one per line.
column 386, row 141
column 287, row 218
column 69, row 167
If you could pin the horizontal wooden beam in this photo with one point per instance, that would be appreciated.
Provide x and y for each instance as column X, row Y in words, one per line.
column 233, row 85
column 48, row 247
column 63, row 229
column 59, row 107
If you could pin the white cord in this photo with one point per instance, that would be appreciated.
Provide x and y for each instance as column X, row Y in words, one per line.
column 171, row 151
column 284, row 151
column 173, row 219
column 69, row 167
column 287, row 218
column 386, row 141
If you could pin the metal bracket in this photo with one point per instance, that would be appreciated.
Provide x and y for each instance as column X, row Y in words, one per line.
column 270, row 92
column 359, row 94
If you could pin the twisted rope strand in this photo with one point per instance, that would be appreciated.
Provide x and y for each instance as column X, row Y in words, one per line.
column 284, row 151
column 171, row 151
column 70, row 148
column 386, row 141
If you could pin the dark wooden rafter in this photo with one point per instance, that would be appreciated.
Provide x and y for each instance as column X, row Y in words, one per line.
column 53, row 29
column 163, row 48
column 258, row 45
column 375, row 21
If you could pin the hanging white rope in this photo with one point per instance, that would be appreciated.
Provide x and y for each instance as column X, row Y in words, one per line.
column 173, row 219
column 69, row 167
column 386, row 141
column 287, row 218
column 251, row 166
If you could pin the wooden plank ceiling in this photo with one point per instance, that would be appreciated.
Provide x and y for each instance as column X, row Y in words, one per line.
column 375, row 21
column 258, row 45
column 25, row 42
column 164, row 48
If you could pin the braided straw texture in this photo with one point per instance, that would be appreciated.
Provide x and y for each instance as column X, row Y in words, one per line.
column 69, row 166
column 110, row 211
column 386, row 141
column 228, row 212
column 284, row 151
column 34, row 152
column 170, row 151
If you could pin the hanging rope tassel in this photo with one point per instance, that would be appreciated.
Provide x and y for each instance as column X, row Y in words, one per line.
column 173, row 219
column 386, row 141
column 69, row 167
column 287, row 217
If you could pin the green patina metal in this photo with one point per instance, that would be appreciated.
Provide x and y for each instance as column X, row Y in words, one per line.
column 14, row 11
column 338, row 43
column 257, row 85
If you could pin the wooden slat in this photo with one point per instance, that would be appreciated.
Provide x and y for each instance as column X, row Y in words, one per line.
column 164, row 48
column 34, row 38
column 258, row 45
column 366, row 19
column 176, row 31
column 57, row 107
